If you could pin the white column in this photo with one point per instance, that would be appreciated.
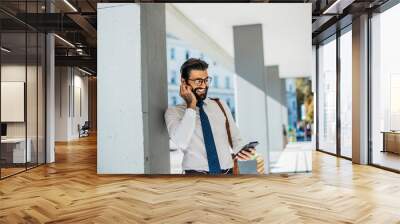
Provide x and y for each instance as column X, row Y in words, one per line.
column 132, row 89
column 251, row 101
column 360, row 90
column 120, row 127
column 50, row 99
column 276, row 110
column 154, row 88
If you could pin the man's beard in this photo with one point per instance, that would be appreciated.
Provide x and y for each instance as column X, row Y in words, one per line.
column 201, row 96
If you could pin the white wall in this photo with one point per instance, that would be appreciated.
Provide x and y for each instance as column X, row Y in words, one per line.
column 15, row 72
column 79, row 117
column 68, row 81
column 61, row 103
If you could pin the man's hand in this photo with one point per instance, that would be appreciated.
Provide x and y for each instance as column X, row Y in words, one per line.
column 248, row 155
column 245, row 155
column 187, row 94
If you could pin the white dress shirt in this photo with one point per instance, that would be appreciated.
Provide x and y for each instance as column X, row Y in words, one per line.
column 184, row 128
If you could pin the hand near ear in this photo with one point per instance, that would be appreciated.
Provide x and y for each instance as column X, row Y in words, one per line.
column 187, row 94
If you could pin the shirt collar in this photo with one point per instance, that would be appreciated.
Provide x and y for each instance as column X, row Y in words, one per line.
column 206, row 100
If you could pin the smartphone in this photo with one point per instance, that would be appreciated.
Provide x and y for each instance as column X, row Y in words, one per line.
column 249, row 145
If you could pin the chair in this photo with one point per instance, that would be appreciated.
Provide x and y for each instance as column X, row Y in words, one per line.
column 84, row 130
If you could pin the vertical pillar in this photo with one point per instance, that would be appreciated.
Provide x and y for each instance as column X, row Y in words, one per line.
column 314, row 87
column 285, row 114
column 251, row 86
column 132, row 89
column 360, row 90
column 275, row 106
column 120, row 127
column 50, row 92
column 154, row 88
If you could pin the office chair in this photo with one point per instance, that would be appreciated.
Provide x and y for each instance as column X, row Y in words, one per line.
column 84, row 130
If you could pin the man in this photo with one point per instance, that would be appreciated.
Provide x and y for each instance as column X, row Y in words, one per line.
column 198, row 128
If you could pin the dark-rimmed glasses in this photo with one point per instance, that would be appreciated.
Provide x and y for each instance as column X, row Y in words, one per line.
column 199, row 82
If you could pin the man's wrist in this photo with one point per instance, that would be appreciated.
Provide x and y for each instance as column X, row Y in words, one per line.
column 191, row 106
column 191, row 111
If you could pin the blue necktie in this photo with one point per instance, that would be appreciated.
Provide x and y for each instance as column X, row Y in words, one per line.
column 212, row 156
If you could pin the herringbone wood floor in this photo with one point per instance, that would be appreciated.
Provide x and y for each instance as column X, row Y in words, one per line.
column 70, row 191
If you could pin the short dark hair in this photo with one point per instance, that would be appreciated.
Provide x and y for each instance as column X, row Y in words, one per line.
column 192, row 64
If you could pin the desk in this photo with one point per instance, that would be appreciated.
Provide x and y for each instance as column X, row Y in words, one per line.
column 13, row 150
column 391, row 141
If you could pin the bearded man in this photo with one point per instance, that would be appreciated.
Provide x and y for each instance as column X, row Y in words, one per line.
column 199, row 126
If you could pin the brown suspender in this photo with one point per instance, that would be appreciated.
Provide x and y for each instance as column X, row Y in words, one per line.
column 228, row 129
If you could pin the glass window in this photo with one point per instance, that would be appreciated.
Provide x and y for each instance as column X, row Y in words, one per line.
column 173, row 77
column 174, row 100
column 187, row 55
column 227, row 82
column 172, row 53
column 327, row 96
column 215, row 81
column 22, row 95
column 346, row 94
column 385, row 89
column 13, row 88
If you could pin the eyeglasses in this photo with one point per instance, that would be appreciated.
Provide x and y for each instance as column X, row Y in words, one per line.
column 199, row 82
